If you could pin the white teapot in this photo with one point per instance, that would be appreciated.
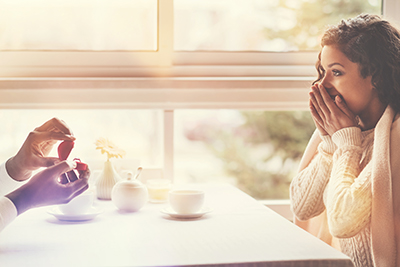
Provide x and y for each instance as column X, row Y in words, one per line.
column 130, row 194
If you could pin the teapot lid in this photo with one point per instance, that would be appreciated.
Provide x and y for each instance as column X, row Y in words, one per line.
column 131, row 182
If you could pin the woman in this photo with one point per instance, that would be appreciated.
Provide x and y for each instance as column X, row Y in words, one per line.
column 349, row 178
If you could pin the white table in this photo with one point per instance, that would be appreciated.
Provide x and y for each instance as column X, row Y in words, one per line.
column 238, row 232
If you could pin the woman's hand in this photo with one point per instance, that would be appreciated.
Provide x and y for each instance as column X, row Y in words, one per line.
column 329, row 115
column 37, row 146
column 45, row 188
column 315, row 114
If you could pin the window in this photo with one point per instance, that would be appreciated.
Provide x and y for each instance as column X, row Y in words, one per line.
column 257, row 151
column 108, row 48
column 253, row 25
column 196, row 62
column 84, row 25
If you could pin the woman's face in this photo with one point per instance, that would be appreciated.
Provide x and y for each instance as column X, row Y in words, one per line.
column 342, row 77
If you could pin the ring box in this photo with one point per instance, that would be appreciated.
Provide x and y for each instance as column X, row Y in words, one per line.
column 64, row 149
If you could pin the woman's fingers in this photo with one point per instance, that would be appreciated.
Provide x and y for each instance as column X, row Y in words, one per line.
column 315, row 105
column 328, row 101
column 317, row 119
column 319, row 102
column 345, row 109
column 327, row 114
column 314, row 112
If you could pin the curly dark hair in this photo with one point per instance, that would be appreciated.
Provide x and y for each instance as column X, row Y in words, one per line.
column 374, row 44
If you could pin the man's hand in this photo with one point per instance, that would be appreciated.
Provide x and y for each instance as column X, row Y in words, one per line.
column 45, row 188
column 34, row 152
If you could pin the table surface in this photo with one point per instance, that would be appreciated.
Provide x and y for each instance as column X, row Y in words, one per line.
column 239, row 231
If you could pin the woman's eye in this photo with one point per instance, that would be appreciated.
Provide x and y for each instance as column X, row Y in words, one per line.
column 336, row 73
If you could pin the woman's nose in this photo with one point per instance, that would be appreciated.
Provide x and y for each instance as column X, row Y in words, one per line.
column 326, row 82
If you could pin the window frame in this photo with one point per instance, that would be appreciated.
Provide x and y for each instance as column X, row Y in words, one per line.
column 164, row 62
column 162, row 79
column 95, row 63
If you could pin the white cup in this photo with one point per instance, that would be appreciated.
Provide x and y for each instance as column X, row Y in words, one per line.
column 78, row 205
column 186, row 201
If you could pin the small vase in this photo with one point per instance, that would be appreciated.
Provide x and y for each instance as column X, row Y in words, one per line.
column 106, row 181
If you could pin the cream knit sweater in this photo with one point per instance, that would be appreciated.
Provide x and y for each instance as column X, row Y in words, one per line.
column 338, row 179
column 350, row 186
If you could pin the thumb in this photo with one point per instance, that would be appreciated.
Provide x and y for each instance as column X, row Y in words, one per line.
column 345, row 109
column 47, row 161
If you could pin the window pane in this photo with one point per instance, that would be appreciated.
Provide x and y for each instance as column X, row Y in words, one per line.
column 258, row 151
column 138, row 132
column 78, row 25
column 256, row 25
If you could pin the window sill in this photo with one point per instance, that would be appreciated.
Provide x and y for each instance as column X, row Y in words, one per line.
column 269, row 93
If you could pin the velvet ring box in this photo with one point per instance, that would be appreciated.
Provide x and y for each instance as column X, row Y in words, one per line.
column 64, row 149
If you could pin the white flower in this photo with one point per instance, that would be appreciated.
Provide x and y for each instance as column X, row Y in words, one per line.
column 108, row 147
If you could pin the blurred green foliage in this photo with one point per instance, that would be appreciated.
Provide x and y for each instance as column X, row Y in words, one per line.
column 263, row 153
column 312, row 16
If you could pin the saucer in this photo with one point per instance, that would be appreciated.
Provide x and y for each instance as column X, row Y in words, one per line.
column 169, row 211
column 89, row 215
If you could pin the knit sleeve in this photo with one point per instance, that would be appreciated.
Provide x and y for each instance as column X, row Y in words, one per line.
column 307, row 188
column 348, row 197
